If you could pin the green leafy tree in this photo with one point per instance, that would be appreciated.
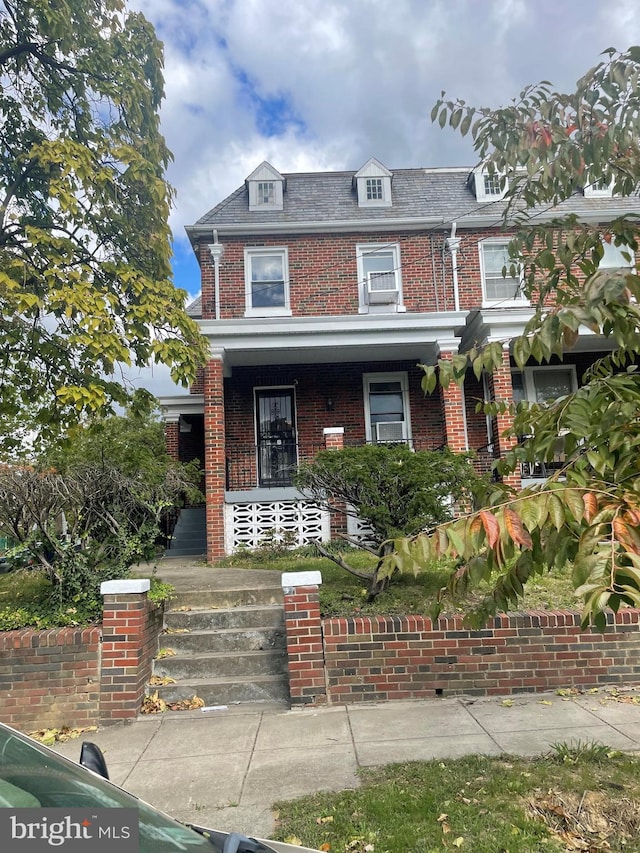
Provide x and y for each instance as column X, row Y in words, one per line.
column 391, row 490
column 92, row 507
column 546, row 144
column 85, row 277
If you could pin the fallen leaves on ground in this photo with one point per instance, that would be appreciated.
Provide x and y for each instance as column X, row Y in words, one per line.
column 161, row 680
column 154, row 704
column 165, row 653
column 589, row 822
column 51, row 736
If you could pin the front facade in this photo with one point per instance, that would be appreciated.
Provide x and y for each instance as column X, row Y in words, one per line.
column 322, row 294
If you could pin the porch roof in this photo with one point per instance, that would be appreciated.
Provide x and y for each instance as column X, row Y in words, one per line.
column 329, row 340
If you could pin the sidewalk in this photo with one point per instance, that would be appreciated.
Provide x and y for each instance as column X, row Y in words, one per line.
column 225, row 768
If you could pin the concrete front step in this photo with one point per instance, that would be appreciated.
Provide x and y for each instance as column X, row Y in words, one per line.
column 226, row 640
column 208, row 665
column 226, row 691
column 223, row 598
column 254, row 616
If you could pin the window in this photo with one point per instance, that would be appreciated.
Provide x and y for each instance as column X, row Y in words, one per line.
column 267, row 282
column 614, row 257
column 266, row 192
column 386, row 407
column 380, row 285
column 374, row 189
column 543, row 384
column 494, row 257
column 599, row 188
column 489, row 186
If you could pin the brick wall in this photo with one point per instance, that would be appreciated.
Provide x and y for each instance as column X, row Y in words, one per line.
column 79, row 677
column 386, row 658
column 51, row 678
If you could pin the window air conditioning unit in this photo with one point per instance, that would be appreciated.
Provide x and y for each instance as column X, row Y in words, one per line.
column 382, row 288
column 389, row 431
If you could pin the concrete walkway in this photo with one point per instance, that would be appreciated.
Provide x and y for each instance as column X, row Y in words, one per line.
column 225, row 767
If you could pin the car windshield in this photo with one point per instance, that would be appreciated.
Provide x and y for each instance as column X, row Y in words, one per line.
column 32, row 776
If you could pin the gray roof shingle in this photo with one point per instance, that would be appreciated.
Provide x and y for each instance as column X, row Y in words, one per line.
column 446, row 194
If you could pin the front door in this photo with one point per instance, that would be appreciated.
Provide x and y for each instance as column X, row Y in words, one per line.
column 276, row 431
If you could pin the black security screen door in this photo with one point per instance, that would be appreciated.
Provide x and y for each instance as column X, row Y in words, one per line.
column 276, row 430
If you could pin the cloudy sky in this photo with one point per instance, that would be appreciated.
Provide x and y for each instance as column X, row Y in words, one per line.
column 326, row 84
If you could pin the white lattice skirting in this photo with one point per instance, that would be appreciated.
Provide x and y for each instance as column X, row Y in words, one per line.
column 248, row 525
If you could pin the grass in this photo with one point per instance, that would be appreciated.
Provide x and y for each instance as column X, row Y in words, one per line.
column 342, row 594
column 478, row 804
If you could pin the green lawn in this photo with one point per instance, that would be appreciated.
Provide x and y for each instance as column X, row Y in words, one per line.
column 564, row 801
column 342, row 594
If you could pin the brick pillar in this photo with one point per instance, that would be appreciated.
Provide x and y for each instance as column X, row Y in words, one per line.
column 501, row 389
column 214, row 457
column 172, row 439
column 305, row 650
column 455, row 416
column 333, row 438
column 131, row 625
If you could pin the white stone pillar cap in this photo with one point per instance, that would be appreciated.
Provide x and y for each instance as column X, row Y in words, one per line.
column 293, row 579
column 124, row 586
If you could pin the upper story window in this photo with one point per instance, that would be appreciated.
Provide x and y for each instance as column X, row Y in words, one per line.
column 373, row 185
column 543, row 384
column 374, row 189
column 614, row 257
column 266, row 192
column 489, row 186
column 379, row 278
column 599, row 188
column 267, row 282
column 496, row 287
column 266, row 187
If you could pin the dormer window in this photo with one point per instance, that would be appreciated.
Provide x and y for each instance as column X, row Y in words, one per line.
column 374, row 189
column 266, row 192
column 489, row 186
column 373, row 185
column 600, row 188
column 266, row 187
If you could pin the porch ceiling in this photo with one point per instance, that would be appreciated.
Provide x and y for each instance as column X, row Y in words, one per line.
column 327, row 340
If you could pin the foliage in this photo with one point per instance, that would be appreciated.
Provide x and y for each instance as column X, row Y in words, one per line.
column 25, row 602
column 159, row 591
column 392, row 490
column 344, row 594
column 452, row 805
column 99, row 512
column 85, row 251
column 546, row 144
column 388, row 487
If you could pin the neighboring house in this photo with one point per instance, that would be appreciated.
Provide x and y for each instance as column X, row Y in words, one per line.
column 321, row 295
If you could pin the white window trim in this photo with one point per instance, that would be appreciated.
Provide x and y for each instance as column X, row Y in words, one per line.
column 255, row 201
column 403, row 378
column 363, row 201
column 505, row 302
column 528, row 377
column 624, row 264
column 591, row 190
column 364, row 249
column 479, row 175
column 275, row 311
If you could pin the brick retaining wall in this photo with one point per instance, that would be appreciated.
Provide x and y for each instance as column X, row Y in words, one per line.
column 79, row 677
column 341, row 660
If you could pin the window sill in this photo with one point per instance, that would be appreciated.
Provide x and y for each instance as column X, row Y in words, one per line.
column 268, row 312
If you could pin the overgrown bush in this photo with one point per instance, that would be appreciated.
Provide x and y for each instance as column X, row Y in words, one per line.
column 392, row 490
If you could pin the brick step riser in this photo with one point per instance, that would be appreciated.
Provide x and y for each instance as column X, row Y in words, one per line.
column 212, row 666
column 227, row 598
column 208, row 620
column 216, row 642
column 274, row 689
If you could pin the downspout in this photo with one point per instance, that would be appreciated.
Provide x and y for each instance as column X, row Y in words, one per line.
column 216, row 250
column 453, row 244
